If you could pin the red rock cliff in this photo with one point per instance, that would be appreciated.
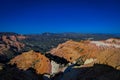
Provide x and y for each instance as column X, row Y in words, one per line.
column 11, row 41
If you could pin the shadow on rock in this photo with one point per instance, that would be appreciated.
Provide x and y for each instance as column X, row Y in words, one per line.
column 13, row 73
column 96, row 72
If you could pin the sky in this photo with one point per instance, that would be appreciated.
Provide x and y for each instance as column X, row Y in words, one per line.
column 38, row 16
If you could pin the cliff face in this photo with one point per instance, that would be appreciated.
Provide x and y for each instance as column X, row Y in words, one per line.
column 98, row 60
column 89, row 60
column 10, row 46
column 72, row 50
column 8, row 42
column 103, row 52
column 33, row 60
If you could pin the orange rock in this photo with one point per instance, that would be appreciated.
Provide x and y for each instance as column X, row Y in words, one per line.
column 2, row 48
column 12, row 41
column 4, row 39
column 90, row 52
column 18, row 45
column 72, row 50
column 12, row 38
column 33, row 60
column 109, row 56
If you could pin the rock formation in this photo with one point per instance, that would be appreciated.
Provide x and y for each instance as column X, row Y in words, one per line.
column 33, row 60
column 10, row 41
column 103, row 52
column 10, row 45
column 88, row 60
column 72, row 50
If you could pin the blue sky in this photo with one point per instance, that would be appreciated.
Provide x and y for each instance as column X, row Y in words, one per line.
column 38, row 16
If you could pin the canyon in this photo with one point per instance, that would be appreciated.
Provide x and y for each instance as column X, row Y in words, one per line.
column 69, row 60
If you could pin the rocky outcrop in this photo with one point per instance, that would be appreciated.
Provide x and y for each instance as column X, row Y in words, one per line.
column 88, row 60
column 90, row 52
column 72, row 50
column 13, row 38
column 55, row 67
column 10, row 45
column 12, row 41
column 33, row 60
column 8, row 42
column 113, row 40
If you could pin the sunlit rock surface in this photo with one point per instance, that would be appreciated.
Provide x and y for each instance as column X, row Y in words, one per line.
column 103, row 52
column 88, row 60
column 8, row 42
column 33, row 60
column 10, row 46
